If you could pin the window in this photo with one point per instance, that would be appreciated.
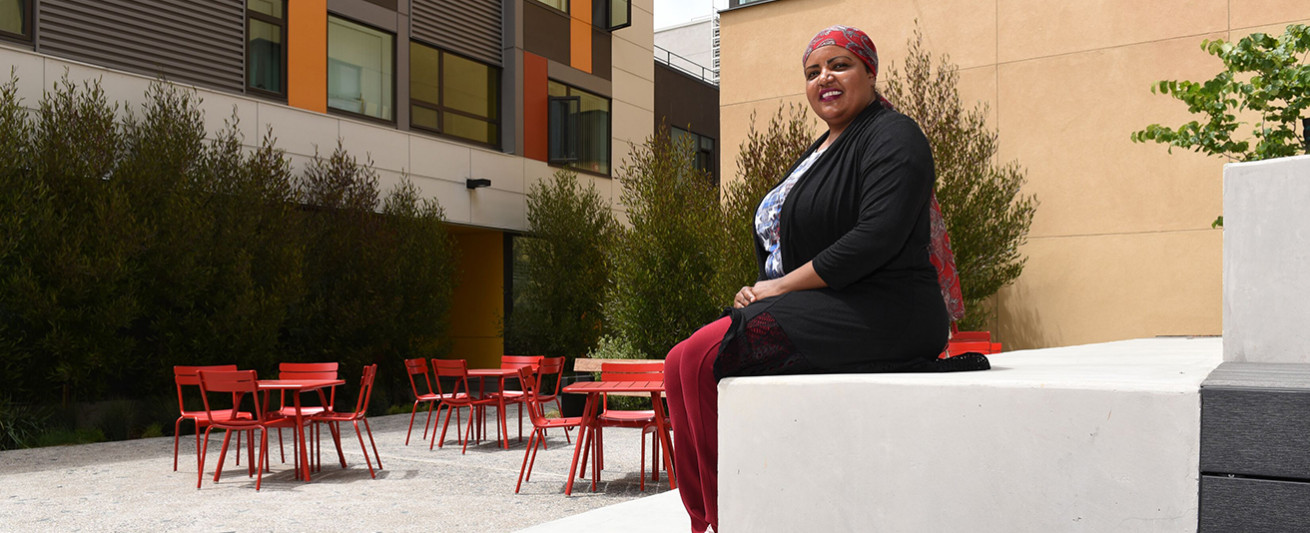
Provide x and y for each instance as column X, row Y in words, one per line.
column 703, row 146
column 562, row 5
column 359, row 69
column 579, row 129
column 620, row 14
column 266, row 55
column 16, row 19
column 453, row 95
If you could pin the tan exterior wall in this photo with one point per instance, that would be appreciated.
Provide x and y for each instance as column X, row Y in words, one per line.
column 1121, row 245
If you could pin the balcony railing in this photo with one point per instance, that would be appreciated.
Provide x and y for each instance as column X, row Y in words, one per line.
column 691, row 68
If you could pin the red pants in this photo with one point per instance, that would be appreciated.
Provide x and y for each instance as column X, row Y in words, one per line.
column 693, row 395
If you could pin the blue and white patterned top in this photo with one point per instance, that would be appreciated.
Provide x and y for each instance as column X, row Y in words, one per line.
column 766, row 217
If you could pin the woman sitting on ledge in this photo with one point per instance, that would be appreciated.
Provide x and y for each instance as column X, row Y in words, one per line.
column 843, row 244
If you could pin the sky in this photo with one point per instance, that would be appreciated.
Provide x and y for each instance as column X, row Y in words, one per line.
column 674, row 12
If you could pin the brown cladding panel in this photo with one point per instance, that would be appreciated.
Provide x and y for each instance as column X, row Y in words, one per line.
column 546, row 32
column 188, row 41
column 686, row 102
column 468, row 27
column 600, row 54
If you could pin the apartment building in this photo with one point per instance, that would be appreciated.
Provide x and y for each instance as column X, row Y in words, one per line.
column 473, row 100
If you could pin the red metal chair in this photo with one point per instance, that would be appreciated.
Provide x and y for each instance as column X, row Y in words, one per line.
column 237, row 385
column 551, row 367
column 539, row 424
column 513, row 362
column 416, row 367
column 359, row 414
column 189, row 376
column 457, row 371
column 644, row 419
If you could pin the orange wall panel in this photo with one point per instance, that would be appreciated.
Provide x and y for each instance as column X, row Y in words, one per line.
column 307, row 54
column 535, row 99
column 580, row 35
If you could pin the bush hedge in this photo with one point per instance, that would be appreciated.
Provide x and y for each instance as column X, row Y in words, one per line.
column 132, row 241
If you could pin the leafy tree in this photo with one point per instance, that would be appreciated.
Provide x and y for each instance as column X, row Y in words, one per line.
column 986, row 216
column 665, row 264
column 762, row 162
column 1265, row 75
column 558, row 309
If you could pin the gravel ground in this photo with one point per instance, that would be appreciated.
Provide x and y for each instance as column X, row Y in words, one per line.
column 131, row 486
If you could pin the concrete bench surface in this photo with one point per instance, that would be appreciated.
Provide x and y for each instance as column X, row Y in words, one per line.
column 1100, row 437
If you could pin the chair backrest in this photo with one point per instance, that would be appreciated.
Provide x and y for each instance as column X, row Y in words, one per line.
column 457, row 369
column 530, row 384
column 550, row 366
column 189, row 376
column 311, row 371
column 508, row 362
column 632, row 371
column 415, row 367
column 238, row 383
column 307, row 370
column 366, row 388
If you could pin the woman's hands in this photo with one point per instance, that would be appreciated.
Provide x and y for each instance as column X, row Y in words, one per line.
column 800, row 279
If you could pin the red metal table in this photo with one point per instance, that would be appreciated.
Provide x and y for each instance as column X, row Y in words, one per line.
column 500, row 374
column 298, row 387
column 593, row 390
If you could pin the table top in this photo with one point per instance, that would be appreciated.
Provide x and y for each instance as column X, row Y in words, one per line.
column 615, row 386
column 298, row 384
column 493, row 372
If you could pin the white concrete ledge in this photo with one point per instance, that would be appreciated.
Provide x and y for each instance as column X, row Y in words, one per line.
column 1101, row 437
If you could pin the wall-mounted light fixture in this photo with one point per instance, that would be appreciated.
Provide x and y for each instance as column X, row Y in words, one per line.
column 472, row 183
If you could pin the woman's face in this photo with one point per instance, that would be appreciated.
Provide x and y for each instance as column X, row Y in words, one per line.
column 838, row 86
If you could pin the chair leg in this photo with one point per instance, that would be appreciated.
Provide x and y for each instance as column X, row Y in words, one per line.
column 250, row 447
column 431, row 406
column 281, row 450
column 532, row 439
column 263, row 455
column 177, row 428
column 376, row 455
column 362, row 447
column 467, row 431
column 412, row 412
column 200, row 470
column 222, row 454
column 335, row 428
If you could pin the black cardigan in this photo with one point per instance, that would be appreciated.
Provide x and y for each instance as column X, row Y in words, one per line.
column 861, row 214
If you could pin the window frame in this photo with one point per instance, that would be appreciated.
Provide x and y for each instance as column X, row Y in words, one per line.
column 698, row 148
column 28, row 24
column 440, row 107
column 576, row 138
column 567, row 6
column 572, row 106
column 394, row 74
column 609, row 14
column 281, row 24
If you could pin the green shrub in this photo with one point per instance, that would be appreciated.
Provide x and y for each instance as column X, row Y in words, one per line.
column 65, row 437
column 558, row 299
column 665, row 265
column 1262, row 73
column 986, row 216
column 20, row 424
column 129, row 246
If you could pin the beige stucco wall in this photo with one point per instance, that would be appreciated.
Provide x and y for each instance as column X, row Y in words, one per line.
column 1121, row 244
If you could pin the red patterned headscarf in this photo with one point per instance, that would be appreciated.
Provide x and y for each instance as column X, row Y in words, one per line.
column 939, row 251
column 853, row 40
